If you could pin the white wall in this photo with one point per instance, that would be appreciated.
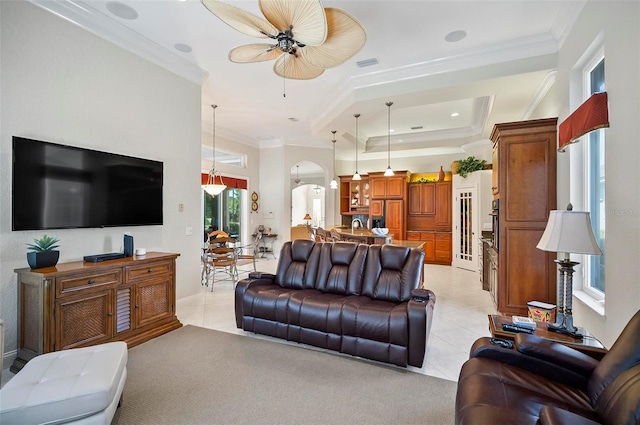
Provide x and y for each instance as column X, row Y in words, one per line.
column 60, row 83
column 618, row 21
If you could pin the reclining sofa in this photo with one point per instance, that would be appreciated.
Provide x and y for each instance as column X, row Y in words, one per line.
column 363, row 300
column 543, row 382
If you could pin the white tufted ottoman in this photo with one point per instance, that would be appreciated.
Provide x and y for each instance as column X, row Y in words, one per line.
column 80, row 386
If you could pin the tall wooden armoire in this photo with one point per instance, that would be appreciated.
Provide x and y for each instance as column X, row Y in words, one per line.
column 525, row 186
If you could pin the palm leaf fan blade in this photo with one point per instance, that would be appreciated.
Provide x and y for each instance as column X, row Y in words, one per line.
column 295, row 68
column 345, row 37
column 254, row 53
column 306, row 16
column 240, row 20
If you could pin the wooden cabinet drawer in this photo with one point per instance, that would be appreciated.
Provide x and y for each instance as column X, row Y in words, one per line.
column 427, row 236
column 443, row 257
column 70, row 284
column 148, row 270
column 443, row 245
column 443, row 242
column 413, row 236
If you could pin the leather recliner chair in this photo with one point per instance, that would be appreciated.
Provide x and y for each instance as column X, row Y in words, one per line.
column 547, row 383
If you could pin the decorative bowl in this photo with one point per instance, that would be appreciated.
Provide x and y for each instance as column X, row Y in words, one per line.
column 380, row 231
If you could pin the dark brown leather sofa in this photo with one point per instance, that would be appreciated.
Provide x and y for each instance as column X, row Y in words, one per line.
column 358, row 299
column 546, row 383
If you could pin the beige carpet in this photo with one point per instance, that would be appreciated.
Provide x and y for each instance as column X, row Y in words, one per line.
column 200, row 376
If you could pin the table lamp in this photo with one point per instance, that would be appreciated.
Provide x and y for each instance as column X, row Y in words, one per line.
column 567, row 232
column 307, row 217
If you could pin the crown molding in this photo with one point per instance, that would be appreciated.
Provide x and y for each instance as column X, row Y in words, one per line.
column 540, row 93
column 354, row 88
column 80, row 13
column 481, row 112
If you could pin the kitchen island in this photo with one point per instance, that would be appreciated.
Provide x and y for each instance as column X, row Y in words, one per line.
column 368, row 237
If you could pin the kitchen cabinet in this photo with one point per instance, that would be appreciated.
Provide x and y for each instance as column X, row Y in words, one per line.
column 437, row 245
column 422, row 199
column 394, row 187
column 377, row 208
column 526, row 189
column 443, row 204
column 354, row 195
column 443, row 248
column 493, row 275
column 82, row 303
column 429, row 219
column 495, row 157
column 394, row 217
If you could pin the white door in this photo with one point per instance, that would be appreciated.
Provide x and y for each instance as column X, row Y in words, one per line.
column 465, row 228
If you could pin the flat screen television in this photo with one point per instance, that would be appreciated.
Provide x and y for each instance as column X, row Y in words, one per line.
column 62, row 187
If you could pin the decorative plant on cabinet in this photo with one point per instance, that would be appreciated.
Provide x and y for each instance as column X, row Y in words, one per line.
column 42, row 252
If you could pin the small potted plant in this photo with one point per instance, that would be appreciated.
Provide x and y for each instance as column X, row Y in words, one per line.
column 42, row 252
column 469, row 165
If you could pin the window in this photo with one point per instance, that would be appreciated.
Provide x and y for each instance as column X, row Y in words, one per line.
column 594, row 164
column 588, row 188
column 224, row 211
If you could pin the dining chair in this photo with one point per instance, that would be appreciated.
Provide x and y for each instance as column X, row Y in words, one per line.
column 321, row 234
column 220, row 256
column 249, row 252
column 334, row 236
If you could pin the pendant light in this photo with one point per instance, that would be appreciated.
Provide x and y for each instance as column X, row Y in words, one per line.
column 356, row 176
column 389, row 172
column 212, row 188
column 334, row 182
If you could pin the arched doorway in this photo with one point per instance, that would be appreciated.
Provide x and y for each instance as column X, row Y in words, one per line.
column 307, row 197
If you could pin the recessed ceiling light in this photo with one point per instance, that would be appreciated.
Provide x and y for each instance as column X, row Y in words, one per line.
column 455, row 114
column 121, row 10
column 185, row 48
column 391, row 130
column 454, row 36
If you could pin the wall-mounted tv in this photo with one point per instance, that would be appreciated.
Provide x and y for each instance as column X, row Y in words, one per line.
column 63, row 187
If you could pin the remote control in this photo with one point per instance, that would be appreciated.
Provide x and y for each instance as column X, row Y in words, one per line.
column 514, row 328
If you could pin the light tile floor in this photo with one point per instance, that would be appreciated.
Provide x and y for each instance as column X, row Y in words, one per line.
column 460, row 314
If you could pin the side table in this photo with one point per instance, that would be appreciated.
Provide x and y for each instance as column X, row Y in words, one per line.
column 265, row 243
column 588, row 345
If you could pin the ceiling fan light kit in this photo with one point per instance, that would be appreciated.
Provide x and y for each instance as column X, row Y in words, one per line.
column 306, row 37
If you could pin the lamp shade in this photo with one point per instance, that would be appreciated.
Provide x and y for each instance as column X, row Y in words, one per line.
column 307, row 217
column 214, row 189
column 569, row 232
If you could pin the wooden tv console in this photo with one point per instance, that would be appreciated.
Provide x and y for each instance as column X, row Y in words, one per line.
column 79, row 304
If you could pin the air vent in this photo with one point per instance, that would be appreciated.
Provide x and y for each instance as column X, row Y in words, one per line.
column 367, row 62
column 417, row 128
column 293, row 119
column 123, row 310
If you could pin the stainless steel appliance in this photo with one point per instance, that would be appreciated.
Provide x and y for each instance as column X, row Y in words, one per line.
column 495, row 214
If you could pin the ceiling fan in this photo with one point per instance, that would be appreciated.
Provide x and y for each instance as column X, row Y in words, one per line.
column 308, row 38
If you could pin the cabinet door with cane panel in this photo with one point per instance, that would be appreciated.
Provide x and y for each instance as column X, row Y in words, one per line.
column 80, row 304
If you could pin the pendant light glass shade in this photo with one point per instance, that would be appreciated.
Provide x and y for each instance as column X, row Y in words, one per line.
column 356, row 176
column 334, row 182
column 389, row 172
column 212, row 188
